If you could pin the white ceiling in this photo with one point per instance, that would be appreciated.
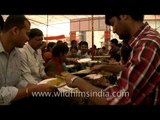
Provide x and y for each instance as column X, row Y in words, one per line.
column 59, row 24
column 53, row 19
column 54, row 24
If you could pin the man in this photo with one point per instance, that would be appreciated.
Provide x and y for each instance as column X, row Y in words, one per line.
column 14, row 34
column 114, row 48
column 32, row 66
column 139, row 81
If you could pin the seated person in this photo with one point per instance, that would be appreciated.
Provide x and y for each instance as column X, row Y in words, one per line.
column 125, row 52
column 83, row 50
column 32, row 66
column 10, row 61
column 73, row 43
column 114, row 48
column 93, row 50
column 115, row 59
column 56, row 65
column 73, row 52
column 48, row 54
column 72, row 56
column 103, row 51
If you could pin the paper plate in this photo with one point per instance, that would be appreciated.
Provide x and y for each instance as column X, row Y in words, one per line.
column 84, row 60
column 54, row 82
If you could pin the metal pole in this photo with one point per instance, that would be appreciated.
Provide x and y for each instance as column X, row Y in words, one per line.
column 47, row 29
column 92, row 36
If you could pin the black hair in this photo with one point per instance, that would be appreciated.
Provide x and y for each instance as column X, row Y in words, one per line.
column 116, row 56
column 119, row 45
column 50, row 45
column 73, row 41
column 59, row 49
column 83, row 43
column 59, row 42
column 74, row 47
column 114, row 41
column 1, row 22
column 35, row 32
column 103, row 48
column 15, row 20
column 136, row 17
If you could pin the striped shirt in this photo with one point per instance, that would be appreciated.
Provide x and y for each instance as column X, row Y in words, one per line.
column 141, row 76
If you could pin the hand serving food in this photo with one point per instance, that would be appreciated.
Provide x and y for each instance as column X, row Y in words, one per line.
column 69, row 78
column 54, row 82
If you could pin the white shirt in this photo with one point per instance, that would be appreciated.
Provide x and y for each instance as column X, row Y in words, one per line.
column 84, row 55
column 9, row 75
column 32, row 66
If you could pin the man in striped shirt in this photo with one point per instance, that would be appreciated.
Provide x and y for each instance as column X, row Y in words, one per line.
column 139, row 81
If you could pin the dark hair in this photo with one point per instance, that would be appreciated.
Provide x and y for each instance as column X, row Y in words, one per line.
column 15, row 20
column 83, row 43
column 114, row 41
column 119, row 45
column 103, row 48
column 1, row 22
column 35, row 32
column 60, row 48
column 50, row 45
column 59, row 42
column 74, row 47
column 73, row 41
column 116, row 56
column 137, row 17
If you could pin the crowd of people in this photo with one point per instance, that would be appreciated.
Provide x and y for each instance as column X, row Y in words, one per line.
column 25, row 60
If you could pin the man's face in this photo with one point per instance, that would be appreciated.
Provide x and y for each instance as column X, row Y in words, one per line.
column 84, row 48
column 120, row 27
column 21, row 36
column 36, row 42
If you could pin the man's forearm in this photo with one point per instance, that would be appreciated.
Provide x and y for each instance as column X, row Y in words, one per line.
column 113, row 68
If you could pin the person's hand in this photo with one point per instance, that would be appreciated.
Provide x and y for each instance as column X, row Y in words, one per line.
column 44, row 88
column 96, row 68
column 68, row 77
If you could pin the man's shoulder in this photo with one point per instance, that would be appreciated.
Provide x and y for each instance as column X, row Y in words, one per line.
column 153, row 37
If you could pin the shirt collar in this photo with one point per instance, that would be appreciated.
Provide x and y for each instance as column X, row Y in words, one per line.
column 2, row 50
column 1, row 47
column 139, row 32
column 30, row 48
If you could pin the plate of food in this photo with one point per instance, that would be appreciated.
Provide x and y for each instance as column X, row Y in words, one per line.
column 82, row 73
column 54, row 82
column 84, row 60
column 70, row 66
column 94, row 76
column 97, row 80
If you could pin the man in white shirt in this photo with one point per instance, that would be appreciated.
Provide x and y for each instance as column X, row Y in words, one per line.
column 14, row 34
column 32, row 67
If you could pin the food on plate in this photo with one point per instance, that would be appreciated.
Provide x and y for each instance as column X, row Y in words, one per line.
column 84, row 60
column 97, row 80
column 70, row 66
column 94, row 76
column 54, row 82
